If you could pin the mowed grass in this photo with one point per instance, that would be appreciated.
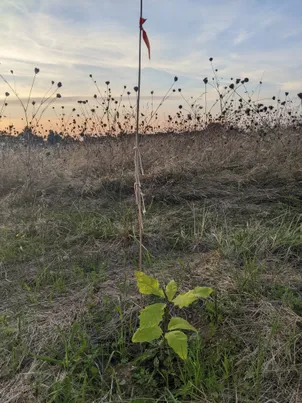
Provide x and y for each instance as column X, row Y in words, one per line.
column 221, row 211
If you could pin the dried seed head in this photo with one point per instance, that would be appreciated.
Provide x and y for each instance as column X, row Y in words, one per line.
column 205, row 80
column 107, row 82
column 300, row 95
column 211, row 59
column 7, row 94
column 59, row 84
column 59, row 96
column 135, row 89
column 36, row 70
column 175, row 79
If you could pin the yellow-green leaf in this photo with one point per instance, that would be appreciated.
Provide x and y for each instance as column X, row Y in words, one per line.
column 151, row 315
column 148, row 285
column 180, row 323
column 185, row 299
column 202, row 292
column 171, row 289
column 178, row 341
column 147, row 334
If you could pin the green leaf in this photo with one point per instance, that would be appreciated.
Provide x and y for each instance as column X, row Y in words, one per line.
column 148, row 285
column 178, row 341
column 94, row 370
column 147, row 334
column 49, row 359
column 186, row 299
column 180, row 323
column 202, row 292
column 171, row 289
column 151, row 315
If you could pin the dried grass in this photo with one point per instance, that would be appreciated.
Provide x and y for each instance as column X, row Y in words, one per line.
column 230, row 170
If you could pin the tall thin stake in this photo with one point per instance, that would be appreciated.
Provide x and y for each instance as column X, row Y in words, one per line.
column 137, row 161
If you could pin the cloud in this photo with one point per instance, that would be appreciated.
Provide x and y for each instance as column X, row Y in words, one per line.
column 293, row 33
column 71, row 39
column 292, row 85
column 242, row 37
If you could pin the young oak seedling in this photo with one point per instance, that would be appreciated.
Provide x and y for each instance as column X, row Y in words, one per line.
column 151, row 316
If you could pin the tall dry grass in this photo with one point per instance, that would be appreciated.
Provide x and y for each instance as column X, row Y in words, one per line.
column 84, row 167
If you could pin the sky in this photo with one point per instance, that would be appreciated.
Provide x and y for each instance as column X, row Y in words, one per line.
column 70, row 39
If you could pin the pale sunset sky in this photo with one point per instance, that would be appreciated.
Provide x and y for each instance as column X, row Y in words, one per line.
column 70, row 39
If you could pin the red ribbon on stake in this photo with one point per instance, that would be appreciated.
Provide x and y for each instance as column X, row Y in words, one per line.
column 145, row 36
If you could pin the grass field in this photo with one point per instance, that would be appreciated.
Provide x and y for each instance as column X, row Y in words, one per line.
column 223, row 210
